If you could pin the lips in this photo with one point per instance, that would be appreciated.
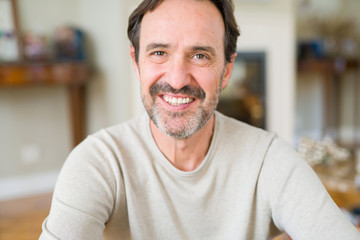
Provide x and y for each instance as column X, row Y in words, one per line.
column 165, row 89
column 177, row 99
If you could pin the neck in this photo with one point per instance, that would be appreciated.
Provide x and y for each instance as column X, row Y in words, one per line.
column 185, row 154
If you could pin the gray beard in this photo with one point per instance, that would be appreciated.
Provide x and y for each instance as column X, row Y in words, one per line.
column 194, row 123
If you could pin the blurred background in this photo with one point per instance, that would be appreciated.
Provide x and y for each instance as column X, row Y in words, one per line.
column 65, row 72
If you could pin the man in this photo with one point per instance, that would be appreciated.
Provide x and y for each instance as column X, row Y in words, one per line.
column 182, row 171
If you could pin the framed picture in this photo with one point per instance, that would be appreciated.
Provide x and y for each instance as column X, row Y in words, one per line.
column 10, row 49
column 244, row 97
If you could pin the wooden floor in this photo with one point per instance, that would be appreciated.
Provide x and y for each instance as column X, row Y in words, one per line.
column 22, row 219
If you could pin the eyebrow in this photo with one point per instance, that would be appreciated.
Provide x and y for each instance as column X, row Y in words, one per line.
column 208, row 49
column 153, row 46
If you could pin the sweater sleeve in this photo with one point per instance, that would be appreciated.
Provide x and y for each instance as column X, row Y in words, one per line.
column 299, row 203
column 84, row 194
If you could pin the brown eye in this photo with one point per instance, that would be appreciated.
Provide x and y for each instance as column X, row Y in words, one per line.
column 159, row 53
column 200, row 56
column 158, row 56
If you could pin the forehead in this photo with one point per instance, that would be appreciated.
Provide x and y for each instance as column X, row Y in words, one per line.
column 185, row 22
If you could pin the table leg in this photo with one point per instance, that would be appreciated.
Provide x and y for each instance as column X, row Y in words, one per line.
column 77, row 106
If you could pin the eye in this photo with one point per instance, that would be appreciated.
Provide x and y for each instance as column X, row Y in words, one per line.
column 158, row 53
column 158, row 56
column 200, row 56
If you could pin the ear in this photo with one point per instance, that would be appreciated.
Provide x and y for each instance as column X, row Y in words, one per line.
column 228, row 70
column 135, row 64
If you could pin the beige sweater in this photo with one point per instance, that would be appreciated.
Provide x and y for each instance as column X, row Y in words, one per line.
column 118, row 185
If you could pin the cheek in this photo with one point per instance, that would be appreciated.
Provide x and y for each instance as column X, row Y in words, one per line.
column 208, row 79
column 149, row 74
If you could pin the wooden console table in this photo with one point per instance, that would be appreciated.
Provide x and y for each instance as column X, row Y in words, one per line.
column 73, row 75
column 339, row 181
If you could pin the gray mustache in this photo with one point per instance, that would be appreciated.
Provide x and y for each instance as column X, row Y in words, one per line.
column 187, row 90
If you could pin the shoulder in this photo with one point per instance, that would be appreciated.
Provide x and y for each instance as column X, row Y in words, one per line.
column 111, row 140
column 284, row 181
column 134, row 126
column 243, row 135
column 103, row 149
column 96, row 159
column 283, row 156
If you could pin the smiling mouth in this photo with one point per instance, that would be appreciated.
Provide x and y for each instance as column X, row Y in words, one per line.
column 175, row 101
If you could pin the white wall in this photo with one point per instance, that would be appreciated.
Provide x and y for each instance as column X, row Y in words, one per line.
column 110, row 91
column 44, row 16
column 270, row 26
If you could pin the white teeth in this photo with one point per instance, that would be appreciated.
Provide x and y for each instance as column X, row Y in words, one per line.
column 177, row 101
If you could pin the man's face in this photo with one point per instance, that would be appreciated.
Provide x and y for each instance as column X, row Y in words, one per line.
column 181, row 65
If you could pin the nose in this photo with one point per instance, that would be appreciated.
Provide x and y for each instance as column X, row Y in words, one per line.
column 178, row 74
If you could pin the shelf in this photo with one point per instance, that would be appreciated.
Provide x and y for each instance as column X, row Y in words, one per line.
column 30, row 74
column 72, row 75
column 329, row 66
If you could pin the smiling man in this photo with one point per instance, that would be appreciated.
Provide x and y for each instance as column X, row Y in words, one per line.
column 183, row 170
column 182, row 69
